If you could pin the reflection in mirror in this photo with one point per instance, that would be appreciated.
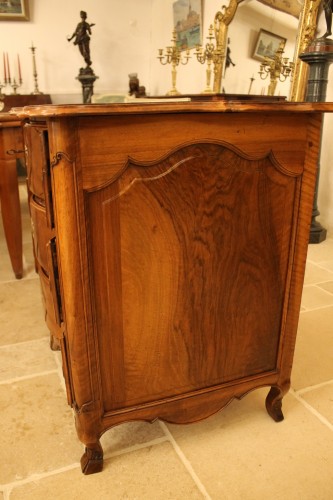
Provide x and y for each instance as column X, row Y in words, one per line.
column 243, row 32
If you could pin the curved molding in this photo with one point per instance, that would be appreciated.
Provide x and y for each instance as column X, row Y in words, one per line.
column 168, row 410
column 190, row 151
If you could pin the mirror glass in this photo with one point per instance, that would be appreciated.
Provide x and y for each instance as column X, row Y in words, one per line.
column 241, row 75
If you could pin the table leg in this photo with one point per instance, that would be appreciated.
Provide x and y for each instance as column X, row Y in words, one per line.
column 11, row 214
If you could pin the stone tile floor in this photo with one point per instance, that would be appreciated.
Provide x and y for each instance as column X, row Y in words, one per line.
column 239, row 453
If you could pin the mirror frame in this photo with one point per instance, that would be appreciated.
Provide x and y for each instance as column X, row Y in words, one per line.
column 305, row 34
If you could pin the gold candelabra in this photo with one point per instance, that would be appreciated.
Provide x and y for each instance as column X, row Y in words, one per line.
column 278, row 68
column 174, row 57
column 210, row 54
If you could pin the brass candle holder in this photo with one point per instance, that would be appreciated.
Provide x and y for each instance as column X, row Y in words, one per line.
column 36, row 90
column 277, row 68
column 8, row 81
column 16, row 85
column 174, row 57
column 210, row 54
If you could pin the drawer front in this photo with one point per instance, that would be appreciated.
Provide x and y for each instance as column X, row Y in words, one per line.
column 49, row 296
column 41, row 234
column 36, row 159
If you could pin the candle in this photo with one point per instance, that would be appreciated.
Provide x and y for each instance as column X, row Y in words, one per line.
column 19, row 68
column 8, row 68
column 4, row 68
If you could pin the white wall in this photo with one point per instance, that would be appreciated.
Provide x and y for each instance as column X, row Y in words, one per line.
column 120, row 43
column 126, row 39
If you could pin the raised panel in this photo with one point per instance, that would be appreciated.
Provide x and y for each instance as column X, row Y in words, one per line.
column 189, row 261
column 36, row 159
column 41, row 234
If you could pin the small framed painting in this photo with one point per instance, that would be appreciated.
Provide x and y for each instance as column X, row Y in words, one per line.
column 187, row 18
column 14, row 10
column 267, row 45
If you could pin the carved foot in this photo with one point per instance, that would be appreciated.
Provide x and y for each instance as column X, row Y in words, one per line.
column 92, row 459
column 274, row 404
column 54, row 343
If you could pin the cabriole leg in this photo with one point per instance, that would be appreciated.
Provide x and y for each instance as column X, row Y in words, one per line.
column 274, row 404
column 92, row 459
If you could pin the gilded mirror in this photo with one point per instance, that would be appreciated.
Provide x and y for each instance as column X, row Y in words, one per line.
column 305, row 34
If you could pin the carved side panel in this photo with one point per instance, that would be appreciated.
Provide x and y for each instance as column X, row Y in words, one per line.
column 189, row 262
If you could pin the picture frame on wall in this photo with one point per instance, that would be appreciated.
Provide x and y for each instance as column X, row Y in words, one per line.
column 187, row 19
column 14, row 10
column 267, row 44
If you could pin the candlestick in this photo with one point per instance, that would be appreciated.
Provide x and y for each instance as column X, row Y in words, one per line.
column 36, row 91
column 251, row 81
column 8, row 68
column 15, row 86
column 19, row 69
column 4, row 68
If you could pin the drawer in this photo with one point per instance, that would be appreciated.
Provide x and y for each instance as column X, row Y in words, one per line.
column 37, row 159
column 50, row 302
column 41, row 234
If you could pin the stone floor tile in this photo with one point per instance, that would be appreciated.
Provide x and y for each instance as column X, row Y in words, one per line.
column 314, row 296
column 316, row 274
column 25, row 359
column 328, row 286
column 241, row 453
column 327, row 264
column 321, row 252
column 36, row 427
column 129, row 434
column 21, row 312
column 321, row 399
column 152, row 473
column 313, row 361
column 6, row 271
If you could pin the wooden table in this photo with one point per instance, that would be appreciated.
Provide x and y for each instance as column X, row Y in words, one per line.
column 11, row 148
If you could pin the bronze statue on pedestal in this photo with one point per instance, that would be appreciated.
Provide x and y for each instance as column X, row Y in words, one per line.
column 86, row 75
column 82, row 38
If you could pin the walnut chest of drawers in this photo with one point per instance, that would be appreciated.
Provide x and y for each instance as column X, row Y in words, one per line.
column 170, row 240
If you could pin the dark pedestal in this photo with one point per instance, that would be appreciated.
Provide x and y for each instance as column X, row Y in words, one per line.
column 318, row 56
column 87, row 78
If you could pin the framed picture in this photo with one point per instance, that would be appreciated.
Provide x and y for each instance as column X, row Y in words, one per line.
column 187, row 17
column 267, row 45
column 14, row 10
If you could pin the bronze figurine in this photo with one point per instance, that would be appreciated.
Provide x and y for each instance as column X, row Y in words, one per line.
column 82, row 38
